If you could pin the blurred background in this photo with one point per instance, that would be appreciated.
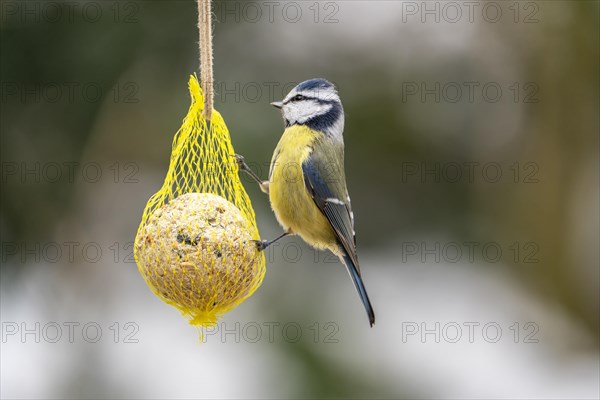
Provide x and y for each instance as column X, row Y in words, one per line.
column 472, row 162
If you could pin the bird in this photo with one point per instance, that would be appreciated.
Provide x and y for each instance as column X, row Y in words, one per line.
column 307, row 184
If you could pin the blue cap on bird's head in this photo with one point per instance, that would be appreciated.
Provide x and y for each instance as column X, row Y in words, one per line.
column 317, row 83
column 313, row 102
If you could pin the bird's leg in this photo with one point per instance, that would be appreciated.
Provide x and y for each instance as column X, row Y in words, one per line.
column 264, row 185
column 263, row 244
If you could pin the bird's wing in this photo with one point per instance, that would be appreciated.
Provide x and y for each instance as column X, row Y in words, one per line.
column 326, row 183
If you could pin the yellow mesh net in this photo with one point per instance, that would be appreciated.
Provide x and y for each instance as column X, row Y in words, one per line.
column 194, row 245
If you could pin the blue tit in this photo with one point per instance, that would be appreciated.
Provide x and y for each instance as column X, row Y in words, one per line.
column 307, row 183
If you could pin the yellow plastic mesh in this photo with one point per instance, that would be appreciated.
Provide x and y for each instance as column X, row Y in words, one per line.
column 194, row 245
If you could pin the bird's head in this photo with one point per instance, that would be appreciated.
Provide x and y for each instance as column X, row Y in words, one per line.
column 314, row 103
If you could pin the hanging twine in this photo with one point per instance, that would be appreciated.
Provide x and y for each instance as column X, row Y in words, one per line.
column 206, row 55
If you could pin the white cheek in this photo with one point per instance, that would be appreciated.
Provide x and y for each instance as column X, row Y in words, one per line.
column 291, row 113
column 303, row 111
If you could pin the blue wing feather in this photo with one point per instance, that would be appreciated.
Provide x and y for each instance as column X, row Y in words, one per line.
column 331, row 197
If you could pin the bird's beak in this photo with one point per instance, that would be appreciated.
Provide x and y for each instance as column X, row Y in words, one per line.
column 277, row 104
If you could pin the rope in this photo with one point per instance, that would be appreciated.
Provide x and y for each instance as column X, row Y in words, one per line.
column 206, row 55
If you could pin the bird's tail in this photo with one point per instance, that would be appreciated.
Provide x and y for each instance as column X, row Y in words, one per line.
column 360, row 286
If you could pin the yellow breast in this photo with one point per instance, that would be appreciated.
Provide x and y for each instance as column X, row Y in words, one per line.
column 293, row 206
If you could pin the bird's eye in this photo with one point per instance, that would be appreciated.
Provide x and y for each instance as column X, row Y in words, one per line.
column 298, row 97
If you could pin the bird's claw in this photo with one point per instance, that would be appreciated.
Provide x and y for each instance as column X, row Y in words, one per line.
column 261, row 244
column 240, row 161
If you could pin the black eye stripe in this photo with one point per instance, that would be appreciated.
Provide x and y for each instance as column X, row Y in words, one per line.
column 300, row 97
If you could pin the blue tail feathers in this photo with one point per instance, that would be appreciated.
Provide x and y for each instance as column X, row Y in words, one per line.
column 360, row 287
